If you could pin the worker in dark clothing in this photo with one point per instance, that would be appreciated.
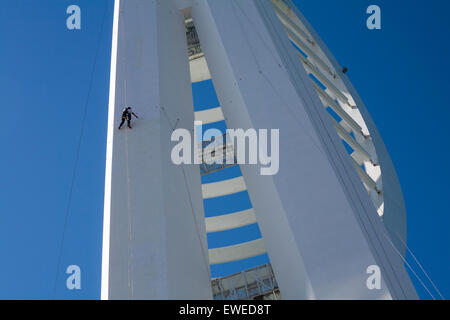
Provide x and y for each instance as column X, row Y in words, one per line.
column 126, row 115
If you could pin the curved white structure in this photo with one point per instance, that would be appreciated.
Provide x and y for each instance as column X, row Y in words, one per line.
column 319, row 217
column 370, row 156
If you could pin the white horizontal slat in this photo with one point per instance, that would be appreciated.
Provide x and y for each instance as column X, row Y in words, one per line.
column 293, row 31
column 365, row 177
column 352, row 142
column 322, row 78
column 281, row 9
column 230, row 221
column 357, row 157
column 328, row 101
column 238, row 252
column 222, row 188
column 210, row 115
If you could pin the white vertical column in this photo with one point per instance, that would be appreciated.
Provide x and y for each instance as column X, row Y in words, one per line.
column 187, row 255
column 154, row 235
column 314, row 213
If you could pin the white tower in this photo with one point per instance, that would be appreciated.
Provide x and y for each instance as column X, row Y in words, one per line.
column 319, row 216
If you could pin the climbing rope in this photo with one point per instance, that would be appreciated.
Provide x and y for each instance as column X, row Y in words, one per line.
column 420, row 266
column 77, row 154
column 408, row 265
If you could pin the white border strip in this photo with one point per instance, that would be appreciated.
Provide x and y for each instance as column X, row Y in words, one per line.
column 109, row 156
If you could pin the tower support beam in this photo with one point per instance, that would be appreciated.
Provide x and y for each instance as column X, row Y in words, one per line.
column 154, row 244
column 320, row 229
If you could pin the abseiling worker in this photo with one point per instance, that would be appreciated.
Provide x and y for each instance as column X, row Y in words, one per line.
column 126, row 115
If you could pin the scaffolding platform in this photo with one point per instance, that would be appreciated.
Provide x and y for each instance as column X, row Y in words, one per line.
column 253, row 284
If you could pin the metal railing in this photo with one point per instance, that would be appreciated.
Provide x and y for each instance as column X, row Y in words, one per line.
column 253, row 284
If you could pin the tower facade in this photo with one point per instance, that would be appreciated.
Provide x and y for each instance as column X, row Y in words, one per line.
column 332, row 210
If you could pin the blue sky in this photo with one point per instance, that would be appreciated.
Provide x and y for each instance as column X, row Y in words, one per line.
column 401, row 72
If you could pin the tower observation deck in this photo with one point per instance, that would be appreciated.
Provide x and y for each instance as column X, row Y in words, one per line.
column 309, row 232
